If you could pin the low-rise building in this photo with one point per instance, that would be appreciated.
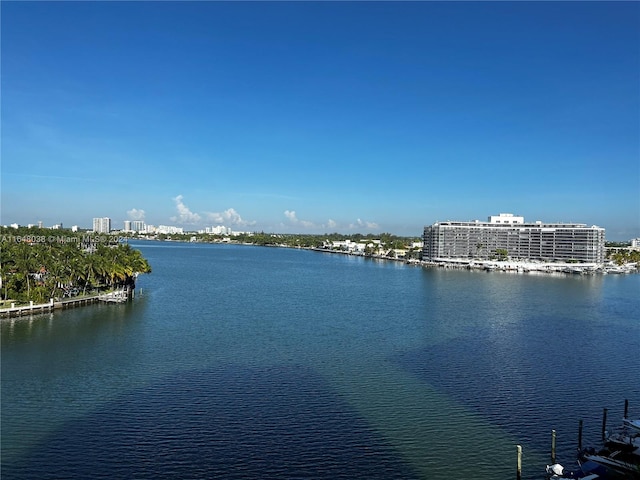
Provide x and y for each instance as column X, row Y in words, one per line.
column 169, row 230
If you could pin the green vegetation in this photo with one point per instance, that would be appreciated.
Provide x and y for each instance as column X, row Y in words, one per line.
column 385, row 242
column 502, row 254
column 40, row 264
column 617, row 244
column 623, row 256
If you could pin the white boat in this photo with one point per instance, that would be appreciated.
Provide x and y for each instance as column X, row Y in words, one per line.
column 558, row 472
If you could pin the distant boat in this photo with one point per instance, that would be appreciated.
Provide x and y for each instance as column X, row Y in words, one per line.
column 576, row 270
column 612, row 269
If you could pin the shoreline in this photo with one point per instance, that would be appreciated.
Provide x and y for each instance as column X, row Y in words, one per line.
column 510, row 266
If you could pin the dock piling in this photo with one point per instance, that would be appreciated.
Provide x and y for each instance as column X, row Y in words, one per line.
column 626, row 408
column 519, row 463
column 580, row 435
column 604, row 424
column 553, row 446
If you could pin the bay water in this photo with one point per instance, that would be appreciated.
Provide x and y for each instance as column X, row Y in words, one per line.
column 239, row 361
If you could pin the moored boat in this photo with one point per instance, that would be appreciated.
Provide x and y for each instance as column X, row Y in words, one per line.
column 619, row 462
column 585, row 472
column 632, row 424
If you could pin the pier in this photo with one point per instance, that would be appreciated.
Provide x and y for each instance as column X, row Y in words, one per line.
column 617, row 457
column 118, row 296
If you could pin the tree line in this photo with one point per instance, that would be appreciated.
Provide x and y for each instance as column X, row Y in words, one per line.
column 38, row 264
column 623, row 256
column 387, row 240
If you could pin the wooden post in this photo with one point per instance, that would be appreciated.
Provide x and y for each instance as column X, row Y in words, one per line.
column 519, row 465
column 553, row 446
column 626, row 408
column 580, row 436
column 604, row 424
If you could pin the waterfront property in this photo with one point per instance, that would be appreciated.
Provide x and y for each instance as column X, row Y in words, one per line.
column 507, row 235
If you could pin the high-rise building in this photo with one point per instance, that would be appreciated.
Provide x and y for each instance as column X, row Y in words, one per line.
column 127, row 225
column 102, row 225
column 138, row 226
column 510, row 235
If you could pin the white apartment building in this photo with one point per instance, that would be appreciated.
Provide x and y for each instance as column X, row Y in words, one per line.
column 217, row 230
column 138, row 226
column 547, row 242
column 102, row 225
column 135, row 226
column 168, row 229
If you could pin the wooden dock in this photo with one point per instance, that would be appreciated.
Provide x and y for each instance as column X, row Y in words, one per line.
column 119, row 296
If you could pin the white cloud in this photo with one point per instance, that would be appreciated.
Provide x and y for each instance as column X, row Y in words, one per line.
column 360, row 224
column 229, row 217
column 291, row 215
column 135, row 214
column 331, row 224
column 185, row 216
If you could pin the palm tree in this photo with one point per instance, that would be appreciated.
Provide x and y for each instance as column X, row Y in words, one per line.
column 58, row 265
column 7, row 265
column 24, row 261
column 98, row 266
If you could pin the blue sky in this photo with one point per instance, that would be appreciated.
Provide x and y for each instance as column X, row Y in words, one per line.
column 321, row 117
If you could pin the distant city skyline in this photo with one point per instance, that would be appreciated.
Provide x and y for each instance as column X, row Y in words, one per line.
column 105, row 225
column 320, row 117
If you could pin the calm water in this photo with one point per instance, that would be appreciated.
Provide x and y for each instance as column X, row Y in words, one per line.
column 249, row 362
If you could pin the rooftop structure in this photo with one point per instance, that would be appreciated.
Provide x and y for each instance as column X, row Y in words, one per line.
column 509, row 235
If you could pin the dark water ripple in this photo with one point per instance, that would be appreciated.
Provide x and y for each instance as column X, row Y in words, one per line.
column 540, row 380
column 232, row 423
